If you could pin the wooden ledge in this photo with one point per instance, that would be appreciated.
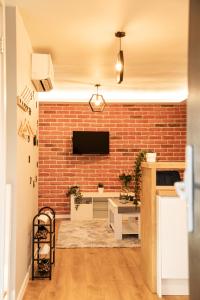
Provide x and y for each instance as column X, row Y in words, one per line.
column 164, row 165
column 166, row 191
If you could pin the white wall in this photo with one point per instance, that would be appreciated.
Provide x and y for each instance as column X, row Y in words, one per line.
column 11, row 132
column 3, row 151
column 19, row 170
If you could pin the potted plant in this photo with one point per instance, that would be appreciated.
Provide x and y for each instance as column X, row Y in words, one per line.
column 137, row 173
column 81, row 206
column 100, row 187
column 126, row 178
column 75, row 191
column 151, row 156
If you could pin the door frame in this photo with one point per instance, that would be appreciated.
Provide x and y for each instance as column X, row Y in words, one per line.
column 3, row 285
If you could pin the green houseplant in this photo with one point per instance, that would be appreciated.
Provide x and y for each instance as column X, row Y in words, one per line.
column 137, row 173
column 126, row 178
column 75, row 191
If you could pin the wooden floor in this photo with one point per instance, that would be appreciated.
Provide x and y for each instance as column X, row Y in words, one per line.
column 94, row 274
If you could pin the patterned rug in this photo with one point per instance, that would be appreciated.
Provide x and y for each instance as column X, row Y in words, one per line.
column 93, row 233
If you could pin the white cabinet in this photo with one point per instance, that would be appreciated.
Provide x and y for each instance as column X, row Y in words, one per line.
column 172, row 246
column 83, row 211
column 100, row 207
column 95, row 205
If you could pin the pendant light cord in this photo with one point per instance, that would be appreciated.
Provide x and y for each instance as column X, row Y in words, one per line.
column 97, row 86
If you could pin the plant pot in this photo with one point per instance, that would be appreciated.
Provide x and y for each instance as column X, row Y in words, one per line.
column 151, row 157
column 100, row 189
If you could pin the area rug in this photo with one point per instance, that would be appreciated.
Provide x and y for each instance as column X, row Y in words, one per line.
column 93, row 233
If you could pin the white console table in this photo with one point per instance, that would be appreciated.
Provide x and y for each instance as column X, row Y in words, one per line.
column 120, row 225
column 95, row 205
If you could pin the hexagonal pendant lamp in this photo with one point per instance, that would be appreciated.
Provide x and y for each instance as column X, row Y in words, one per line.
column 97, row 102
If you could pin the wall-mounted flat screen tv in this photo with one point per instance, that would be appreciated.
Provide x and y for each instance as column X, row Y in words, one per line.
column 90, row 142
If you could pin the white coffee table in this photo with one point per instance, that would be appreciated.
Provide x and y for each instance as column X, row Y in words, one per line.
column 123, row 218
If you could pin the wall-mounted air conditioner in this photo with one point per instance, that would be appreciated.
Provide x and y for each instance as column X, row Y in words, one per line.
column 42, row 72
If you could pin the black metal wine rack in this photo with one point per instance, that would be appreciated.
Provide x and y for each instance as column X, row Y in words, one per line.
column 43, row 243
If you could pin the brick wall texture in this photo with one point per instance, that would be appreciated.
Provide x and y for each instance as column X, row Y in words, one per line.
column 132, row 127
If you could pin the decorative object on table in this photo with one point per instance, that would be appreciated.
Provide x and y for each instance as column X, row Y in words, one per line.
column 137, row 173
column 78, row 197
column 126, row 196
column 43, row 243
column 151, row 156
column 91, row 234
column 100, row 187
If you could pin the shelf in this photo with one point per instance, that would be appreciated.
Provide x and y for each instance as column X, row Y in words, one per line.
column 41, row 241
column 97, row 206
column 42, row 233
column 45, row 219
column 45, row 249
column 39, row 275
column 129, row 228
column 100, row 214
column 100, row 195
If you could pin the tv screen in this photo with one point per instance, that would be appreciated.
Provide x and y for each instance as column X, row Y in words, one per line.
column 90, row 142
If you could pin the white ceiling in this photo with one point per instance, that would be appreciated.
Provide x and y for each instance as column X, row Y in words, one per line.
column 79, row 34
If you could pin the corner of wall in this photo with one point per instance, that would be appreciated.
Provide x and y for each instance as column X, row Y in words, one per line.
column 22, row 171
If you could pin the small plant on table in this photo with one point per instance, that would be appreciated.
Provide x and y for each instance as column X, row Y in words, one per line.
column 100, row 187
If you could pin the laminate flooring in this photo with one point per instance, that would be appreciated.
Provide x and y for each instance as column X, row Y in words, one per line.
column 95, row 274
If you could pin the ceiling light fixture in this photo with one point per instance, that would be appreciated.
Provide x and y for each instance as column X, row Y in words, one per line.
column 97, row 102
column 119, row 66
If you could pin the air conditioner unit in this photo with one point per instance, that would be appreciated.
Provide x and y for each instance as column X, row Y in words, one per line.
column 42, row 72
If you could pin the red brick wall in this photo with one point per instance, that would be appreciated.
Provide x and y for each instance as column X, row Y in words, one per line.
column 132, row 127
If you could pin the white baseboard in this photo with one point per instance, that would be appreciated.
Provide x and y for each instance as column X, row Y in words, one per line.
column 24, row 285
column 64, row 216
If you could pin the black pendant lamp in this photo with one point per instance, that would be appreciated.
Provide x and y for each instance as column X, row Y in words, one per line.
column 119, row 66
